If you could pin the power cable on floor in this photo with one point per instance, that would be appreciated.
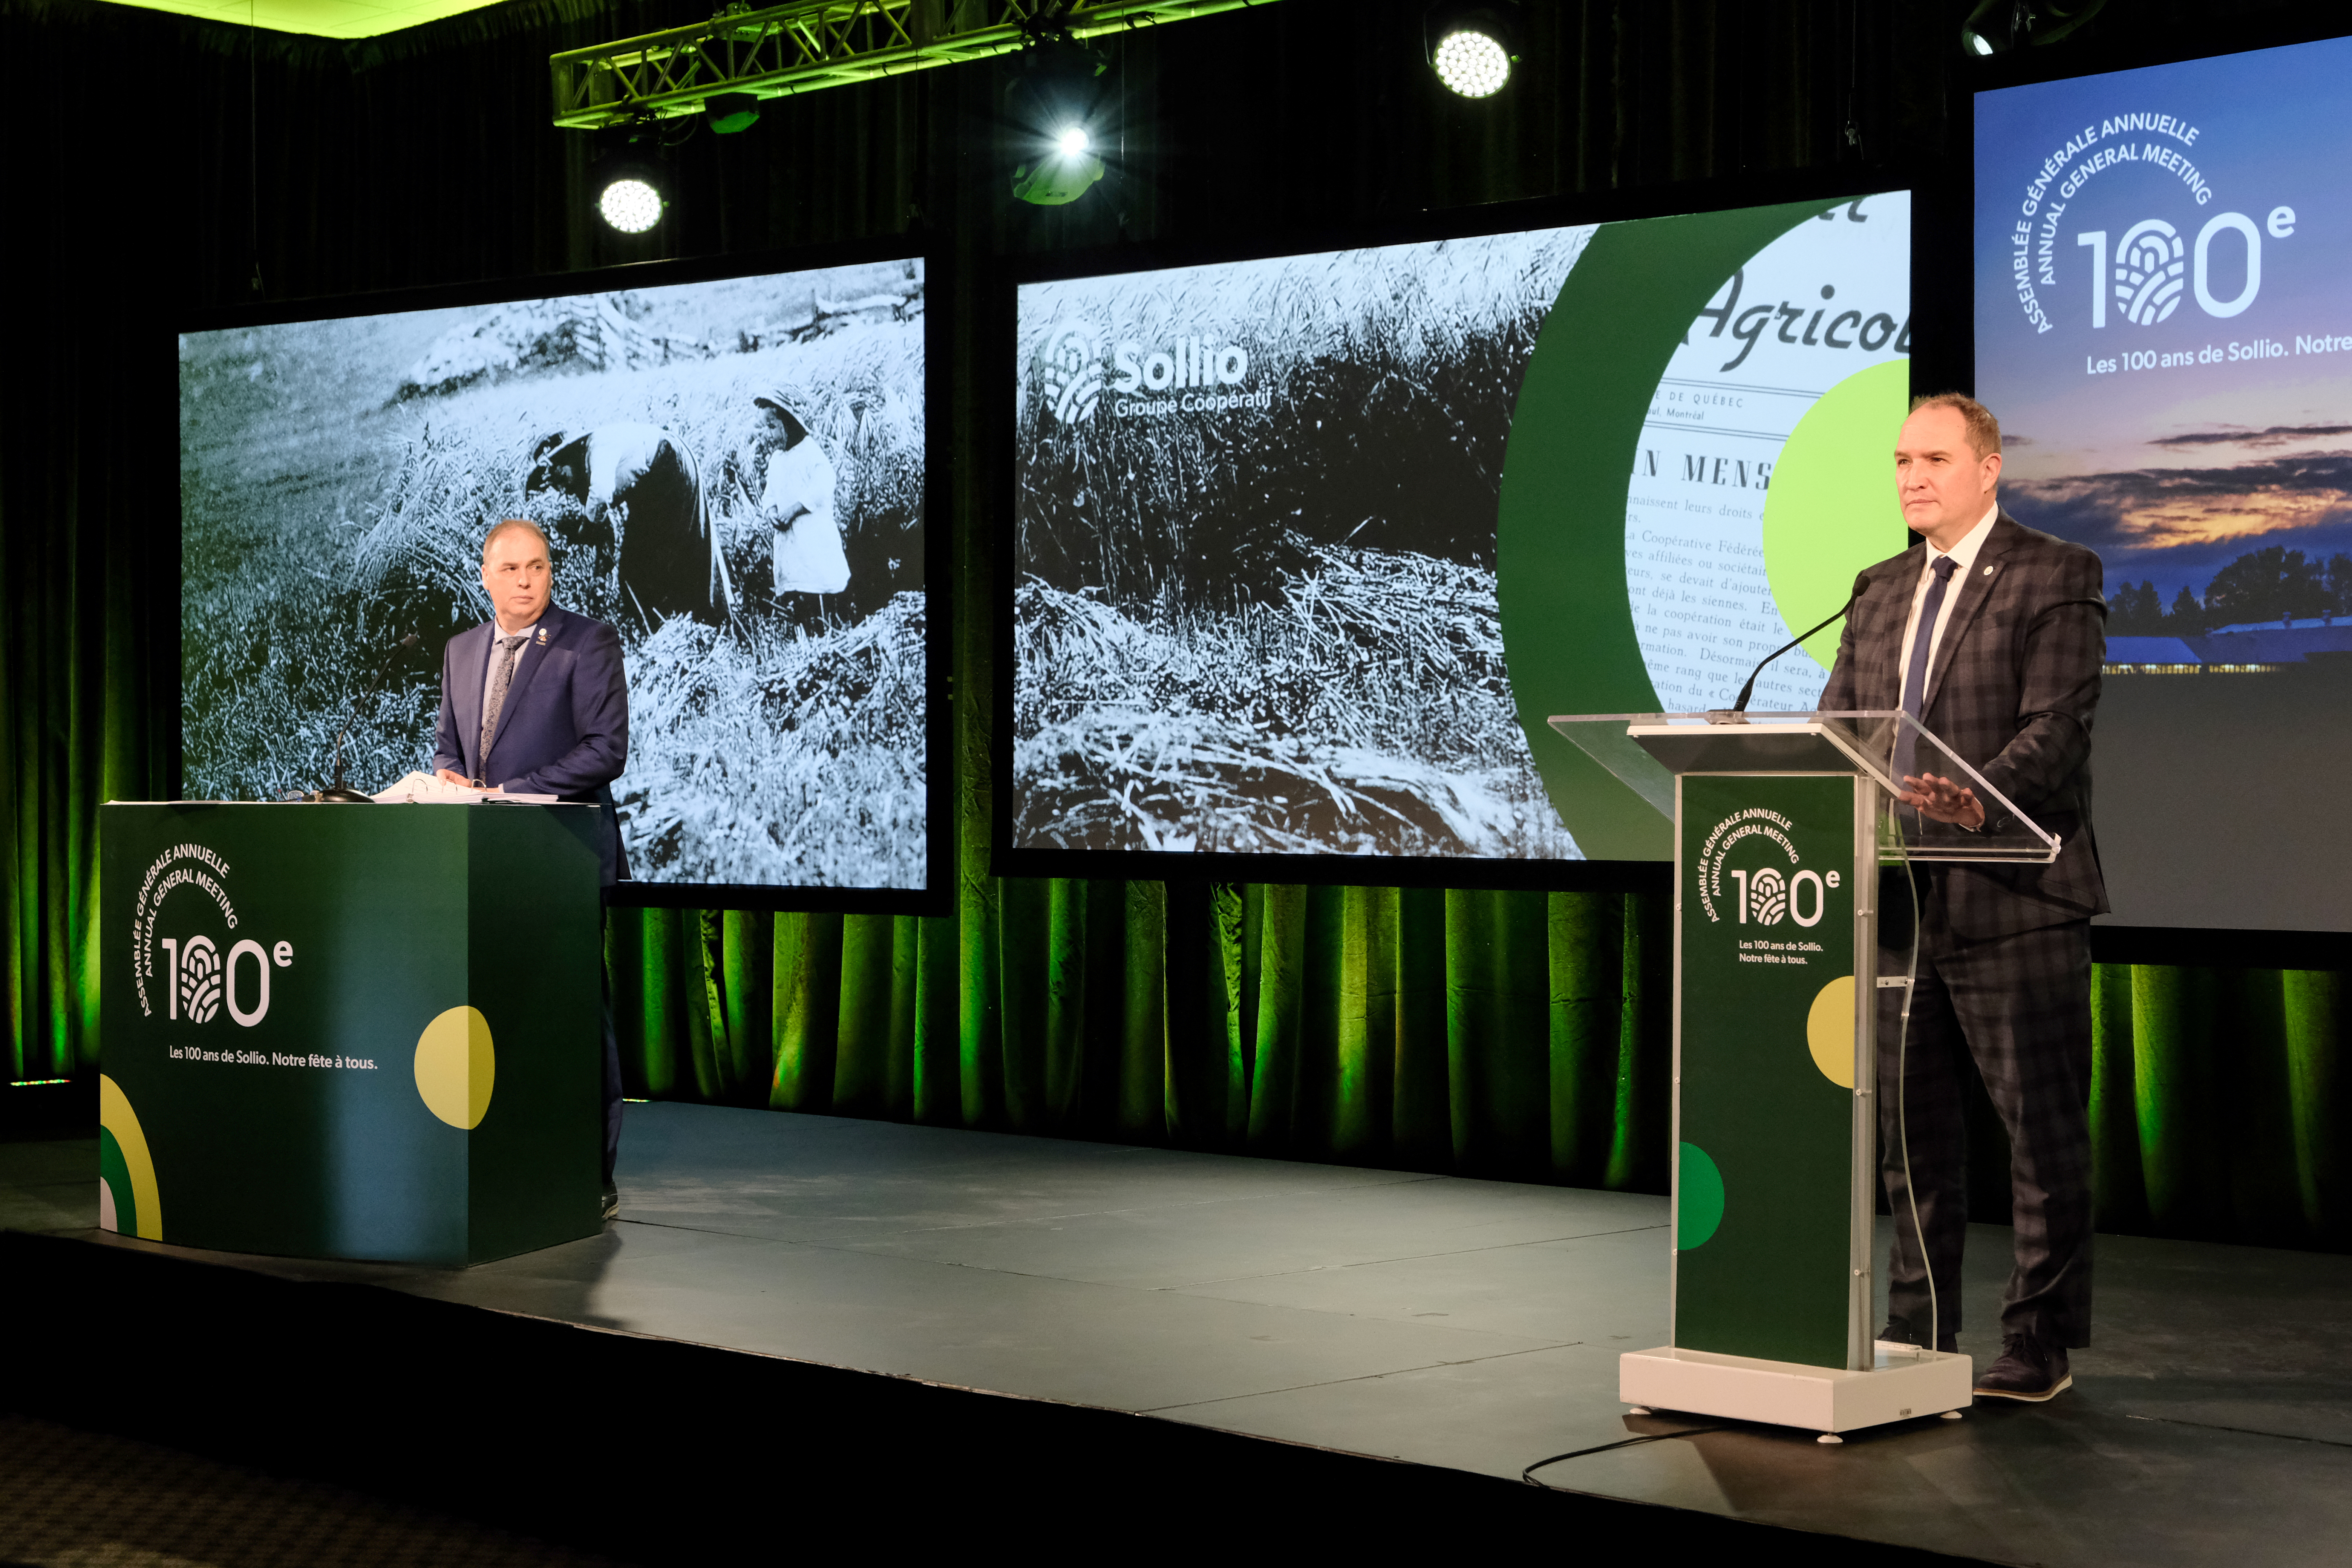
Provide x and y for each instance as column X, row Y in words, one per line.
column 1528, row 1474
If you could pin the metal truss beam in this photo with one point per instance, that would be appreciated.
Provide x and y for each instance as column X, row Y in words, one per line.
column 806, row 44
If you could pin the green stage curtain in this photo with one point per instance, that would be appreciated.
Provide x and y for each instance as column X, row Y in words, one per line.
column 1510, row 1035
column 1521, row 1035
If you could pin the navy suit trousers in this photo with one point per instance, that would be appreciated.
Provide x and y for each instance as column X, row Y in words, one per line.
column 2018, row 1006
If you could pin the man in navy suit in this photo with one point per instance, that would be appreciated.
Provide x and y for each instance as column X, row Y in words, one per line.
column 534, row 702
column 1991, row 635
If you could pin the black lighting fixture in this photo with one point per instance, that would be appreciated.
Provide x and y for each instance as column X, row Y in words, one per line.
column 1997, row 27
column 1054, row 109
column 1472, row 44
column 730, row 113
column 630, row 182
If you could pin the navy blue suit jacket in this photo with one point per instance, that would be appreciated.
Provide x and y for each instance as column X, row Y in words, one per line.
column 563, row 729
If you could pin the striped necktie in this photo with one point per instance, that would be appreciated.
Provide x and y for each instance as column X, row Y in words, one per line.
column 498, row 679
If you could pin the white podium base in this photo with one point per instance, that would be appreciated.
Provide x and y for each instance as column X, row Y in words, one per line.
column 1905, row 1384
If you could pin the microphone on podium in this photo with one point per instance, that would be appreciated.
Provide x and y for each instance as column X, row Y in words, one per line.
column 1737, row 712
column 339, row 792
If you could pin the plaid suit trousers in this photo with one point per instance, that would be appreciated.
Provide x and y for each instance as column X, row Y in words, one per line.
column 2021, row 1006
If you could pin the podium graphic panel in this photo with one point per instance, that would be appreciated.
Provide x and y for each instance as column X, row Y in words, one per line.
column 281, row 1073
column 1764, row 1065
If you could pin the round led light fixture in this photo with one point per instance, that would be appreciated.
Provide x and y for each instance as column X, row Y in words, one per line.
column 1471, row 63
column 630, row 204
column 1072, row 141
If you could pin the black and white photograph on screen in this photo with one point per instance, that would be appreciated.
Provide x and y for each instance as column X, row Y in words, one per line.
column 1256, row 601
column 730, row 472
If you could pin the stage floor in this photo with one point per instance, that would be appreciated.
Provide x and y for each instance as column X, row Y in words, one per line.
column 1468, row 1325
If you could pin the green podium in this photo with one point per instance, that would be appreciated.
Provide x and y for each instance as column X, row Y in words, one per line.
column 365, row 1032
column 1781, row 823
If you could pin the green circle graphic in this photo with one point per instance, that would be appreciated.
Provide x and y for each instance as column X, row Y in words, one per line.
column 1699, row 1198
column 1832, row 509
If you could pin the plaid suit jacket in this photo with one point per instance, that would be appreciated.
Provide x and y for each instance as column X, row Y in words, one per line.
column 2012, row 693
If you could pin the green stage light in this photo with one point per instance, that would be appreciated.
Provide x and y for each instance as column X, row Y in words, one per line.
column 730, row 113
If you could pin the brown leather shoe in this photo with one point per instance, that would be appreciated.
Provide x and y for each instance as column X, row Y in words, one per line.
column 2027, row 1370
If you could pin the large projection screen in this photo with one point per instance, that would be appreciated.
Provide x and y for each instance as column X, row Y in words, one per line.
column 1310, row 546
column 729, row 469
column 2164, row 326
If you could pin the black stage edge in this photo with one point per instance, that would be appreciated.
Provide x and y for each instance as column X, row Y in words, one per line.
column 667, row 1452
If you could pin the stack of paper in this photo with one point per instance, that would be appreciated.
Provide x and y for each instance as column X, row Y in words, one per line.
column 422, row 789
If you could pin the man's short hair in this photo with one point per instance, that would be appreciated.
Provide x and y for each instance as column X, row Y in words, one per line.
column 1984, row 430
column 513, row 522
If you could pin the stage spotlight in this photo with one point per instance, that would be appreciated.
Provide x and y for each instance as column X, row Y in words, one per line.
column 629, row 193
column 1974, row 42
column 1052, row 108
column 729, row 112
column 1472, row 44
column 628, row 181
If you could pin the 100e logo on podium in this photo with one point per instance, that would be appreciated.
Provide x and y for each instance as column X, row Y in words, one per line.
column 1764, row 895
column 199, row 979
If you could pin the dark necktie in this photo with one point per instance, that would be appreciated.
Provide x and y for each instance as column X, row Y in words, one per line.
column 1914, row 677
column 505, row 673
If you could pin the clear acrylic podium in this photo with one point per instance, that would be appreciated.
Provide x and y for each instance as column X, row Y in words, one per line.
column 1781, row 823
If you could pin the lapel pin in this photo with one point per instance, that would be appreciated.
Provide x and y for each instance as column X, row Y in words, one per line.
column 542, row 636
column 542, row 631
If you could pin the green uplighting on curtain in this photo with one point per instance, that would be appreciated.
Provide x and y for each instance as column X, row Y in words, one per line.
column 1509, row 1034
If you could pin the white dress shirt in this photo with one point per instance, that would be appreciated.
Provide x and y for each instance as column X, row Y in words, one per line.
column 1964, row 556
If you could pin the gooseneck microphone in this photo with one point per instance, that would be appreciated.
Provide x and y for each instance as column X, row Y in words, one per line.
column 339, row 792
column 1731, row 715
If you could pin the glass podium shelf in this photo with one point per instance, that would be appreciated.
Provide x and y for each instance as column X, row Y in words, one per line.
column 1646, row 752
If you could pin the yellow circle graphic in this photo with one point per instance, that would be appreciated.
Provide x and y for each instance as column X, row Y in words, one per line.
column 1829, row 1031
column 455, row 1065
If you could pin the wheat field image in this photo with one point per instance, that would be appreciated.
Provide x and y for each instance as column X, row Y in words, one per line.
column 1266, row 622
column 338, row 477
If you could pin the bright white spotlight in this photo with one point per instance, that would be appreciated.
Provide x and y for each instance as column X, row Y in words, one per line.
column 1473, row 64
column 630, row 204
column 1072, row 141
column 1975, row 41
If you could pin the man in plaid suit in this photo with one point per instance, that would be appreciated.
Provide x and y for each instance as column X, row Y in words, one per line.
column 1993, row 635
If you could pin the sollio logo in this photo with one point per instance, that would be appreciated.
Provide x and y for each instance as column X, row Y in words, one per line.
column 1189, row 362
column 1072, row 376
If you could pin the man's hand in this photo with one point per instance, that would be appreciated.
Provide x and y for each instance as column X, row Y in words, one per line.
column 1942, row 800
column 446, row 776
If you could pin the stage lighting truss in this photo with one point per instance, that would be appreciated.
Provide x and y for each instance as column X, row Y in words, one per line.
column 1472, row 44
column 806, row 45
